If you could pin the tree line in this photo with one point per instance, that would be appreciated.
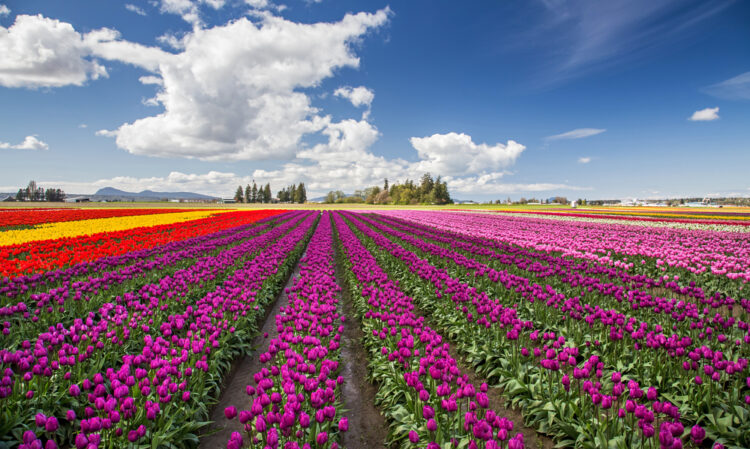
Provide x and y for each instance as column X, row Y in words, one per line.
column 428, row 191
column 33, row 192
column 262, row 194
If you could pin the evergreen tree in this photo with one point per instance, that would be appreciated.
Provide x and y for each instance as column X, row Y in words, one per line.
column 425, row 188
column 248, row 193
column 300, row 194
column 238, row 196
column 385, row 184
column 267, row 193
column 254, row 194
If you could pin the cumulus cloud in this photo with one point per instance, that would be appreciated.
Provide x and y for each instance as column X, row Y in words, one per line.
column 359, row 96
column 705, row 115
column 232, row 93
column 584, row 160
column 579, row 133
column 736, row 88
column 42, row 52
column 457, row 154
column 29, row 143
column 4, row 10
column 136, row 9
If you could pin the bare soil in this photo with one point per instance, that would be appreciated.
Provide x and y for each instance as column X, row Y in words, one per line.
column 367, row 427
column 241, row 375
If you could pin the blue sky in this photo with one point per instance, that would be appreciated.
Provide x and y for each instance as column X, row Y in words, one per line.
column 579, row 98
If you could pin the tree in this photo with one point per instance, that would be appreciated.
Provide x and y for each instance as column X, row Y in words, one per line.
column 300, row 194
column 383, row 197
column 426, row 184
column 238, row 195
column 267, row 193
column 254, row 194
column 248, row 193
column 371, row 193
column 21, row 195
column 385, row 184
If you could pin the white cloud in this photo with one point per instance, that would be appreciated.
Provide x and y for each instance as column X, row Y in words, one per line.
column 584, row 160
column 579, row 133
column 4, row 10
column 232, row 93
column 106, row 43
column 737, row 88
column 359, row 96
column 136, row 9
column 258, row 4
column 83, row 125
column 456, row 154
column 151, row 80
column 488, row 185
column 189, row 10
column 171, row 40
column 106, row 133
column 705, row 115
column 42, row 52
column 29, row 143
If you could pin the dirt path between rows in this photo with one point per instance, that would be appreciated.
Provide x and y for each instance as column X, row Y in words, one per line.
column 241, row 376
column 367, row 427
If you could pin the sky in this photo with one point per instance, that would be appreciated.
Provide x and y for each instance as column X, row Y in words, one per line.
column 538, row 98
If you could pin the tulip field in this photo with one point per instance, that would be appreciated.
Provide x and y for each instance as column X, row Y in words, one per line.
column 130, row 328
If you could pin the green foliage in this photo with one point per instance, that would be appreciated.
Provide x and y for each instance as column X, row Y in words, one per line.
column 428, row 191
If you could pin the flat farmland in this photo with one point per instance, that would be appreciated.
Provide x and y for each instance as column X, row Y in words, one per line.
column 310, row 326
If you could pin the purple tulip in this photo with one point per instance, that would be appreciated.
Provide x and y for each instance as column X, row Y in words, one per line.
column 413, row 437
column 697, row 434
column 40, row 419
column 51, row 425
column 230, row 412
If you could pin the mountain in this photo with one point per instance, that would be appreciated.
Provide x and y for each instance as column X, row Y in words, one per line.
column 110, row 193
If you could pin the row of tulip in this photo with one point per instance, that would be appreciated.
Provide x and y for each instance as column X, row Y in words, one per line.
column 740, row 221
column 32, row 217
column 46, row 256
column 74, row 294
column 70, row 229
column 708, row 255
column 144, row 368
column 295, row 400
column 632, row 293
column 428, row 400
column 621, row 220
column 473, row 317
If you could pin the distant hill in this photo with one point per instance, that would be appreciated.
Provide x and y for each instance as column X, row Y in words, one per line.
column 110, row 193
